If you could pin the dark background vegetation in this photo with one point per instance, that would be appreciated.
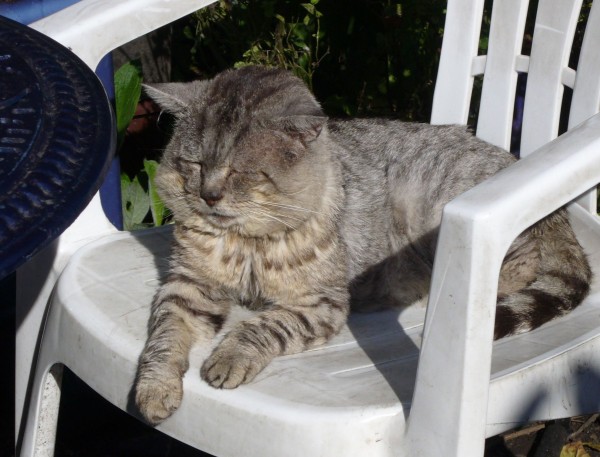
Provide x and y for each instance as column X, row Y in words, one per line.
column 360, row 57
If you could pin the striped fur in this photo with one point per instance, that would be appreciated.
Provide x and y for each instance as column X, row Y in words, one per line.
column 560, row 281
column 299, row 217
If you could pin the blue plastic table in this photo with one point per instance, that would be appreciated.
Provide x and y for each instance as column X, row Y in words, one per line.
column 57, row 138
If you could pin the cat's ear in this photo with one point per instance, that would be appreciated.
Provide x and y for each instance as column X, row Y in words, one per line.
column 174, row 97
column 305, row 128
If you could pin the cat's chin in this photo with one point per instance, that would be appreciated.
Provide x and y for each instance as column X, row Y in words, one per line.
column 220, row 224
column 220, row 221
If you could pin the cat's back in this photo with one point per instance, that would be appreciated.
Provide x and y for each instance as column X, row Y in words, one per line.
column 398, row 176
column 376, row 142
column 430, row 161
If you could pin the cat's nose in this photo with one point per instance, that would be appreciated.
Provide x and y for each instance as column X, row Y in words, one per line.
column 211, row 198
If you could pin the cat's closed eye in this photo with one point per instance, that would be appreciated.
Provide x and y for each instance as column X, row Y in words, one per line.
column 187, row 164
column 246, row 177
column 191, row 171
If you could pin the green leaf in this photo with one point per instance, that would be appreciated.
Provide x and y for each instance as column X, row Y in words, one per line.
column 187, row 32
column 594, row 446
column 157, row 207
column 577, row 449
column 128, row 87
column 135, row 202
column 350, row 28
column 483, row 43
column 309, row 7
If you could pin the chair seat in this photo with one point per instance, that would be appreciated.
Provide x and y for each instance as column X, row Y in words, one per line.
column 351, row 396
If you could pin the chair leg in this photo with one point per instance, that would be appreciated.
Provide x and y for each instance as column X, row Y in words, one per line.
column 39, row 437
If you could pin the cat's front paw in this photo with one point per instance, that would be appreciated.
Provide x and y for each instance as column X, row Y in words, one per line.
column 157, row 399
column 228, row 367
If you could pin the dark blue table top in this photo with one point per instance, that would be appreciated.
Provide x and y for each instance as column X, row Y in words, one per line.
column 57, row 138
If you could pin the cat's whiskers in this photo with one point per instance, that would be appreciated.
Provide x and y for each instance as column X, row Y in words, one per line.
column 267, row 211
column 286, row 206
column 293, row 193
column 167, row 213
column 270, row 216
column 263, row 207
column 159, row 201
column 259, row 212
column 175, row 201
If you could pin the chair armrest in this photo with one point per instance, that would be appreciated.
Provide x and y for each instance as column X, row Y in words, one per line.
column 476, row 232
column 530, row 189
column 96, row 27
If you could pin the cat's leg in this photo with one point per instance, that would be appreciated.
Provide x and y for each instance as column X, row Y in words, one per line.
column 184, row 310
column 252, row 344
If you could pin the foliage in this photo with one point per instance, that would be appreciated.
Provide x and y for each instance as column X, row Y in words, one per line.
column 157, row 207
column 128, row 87
column 134, row 201
column 578, row 449
column 367, row 58
column 138, row 195
column 293, row 44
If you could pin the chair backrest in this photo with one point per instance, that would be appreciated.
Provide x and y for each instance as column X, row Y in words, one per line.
column 547, row 67
column 458, row 379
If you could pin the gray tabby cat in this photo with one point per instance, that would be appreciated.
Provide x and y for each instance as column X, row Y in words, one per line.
column 285, row 211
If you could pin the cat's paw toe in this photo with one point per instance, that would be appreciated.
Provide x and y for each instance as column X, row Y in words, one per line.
column 158, row 399
column 227, row 370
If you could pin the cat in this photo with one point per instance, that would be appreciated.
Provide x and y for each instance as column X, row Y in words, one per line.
column 302, row 217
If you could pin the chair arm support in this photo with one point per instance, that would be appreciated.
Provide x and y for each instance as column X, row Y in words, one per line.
column 530, row 189
column 96, row 27
column 451, row 392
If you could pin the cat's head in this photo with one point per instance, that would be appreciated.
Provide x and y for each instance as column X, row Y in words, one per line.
column 247, row 151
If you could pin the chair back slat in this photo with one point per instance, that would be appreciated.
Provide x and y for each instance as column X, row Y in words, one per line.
column 586, row 90
column 555, row 25
column 547, row 68
column 454, row 83
column 495, row 120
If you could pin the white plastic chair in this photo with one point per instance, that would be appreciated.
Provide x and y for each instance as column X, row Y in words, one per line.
column 362, row 393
